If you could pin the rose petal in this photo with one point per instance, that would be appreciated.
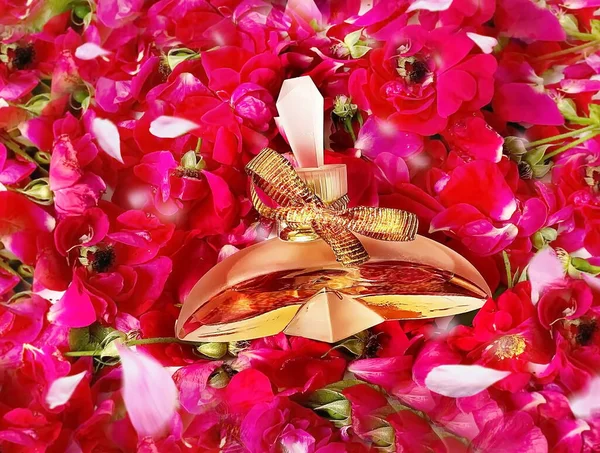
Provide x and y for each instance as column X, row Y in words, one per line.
column 544, row 269
column 90, row 51
column 61, row 390
column 429, row 5
column 150, row 395
column 108, row 137
column 458, row 381
column 586, row 403
column 171, row 127
column 485, row 43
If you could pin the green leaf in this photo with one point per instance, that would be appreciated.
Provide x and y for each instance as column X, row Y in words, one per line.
column 535, row 155
column 569, row 23
column 595, row 113
column 568, row 109
column 79, row 339
column 37, row 103
column 359, row 51
column 383, row 437
column 352, row 38
column 176, row 56
column 595, row 27
column 336, row 410
column 539, row 171
column 189, row 160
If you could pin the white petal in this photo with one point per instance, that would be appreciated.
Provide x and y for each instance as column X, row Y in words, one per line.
column 61, row 390
column 544, row 269
column 171, row 126
column 108, row 137
column 430, row 5
column 150, row 395
column 485, row 43
column 458, row 381
column 586, row 404
column 90, row 51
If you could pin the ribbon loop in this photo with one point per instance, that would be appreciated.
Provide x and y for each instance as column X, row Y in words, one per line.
column 300, row 207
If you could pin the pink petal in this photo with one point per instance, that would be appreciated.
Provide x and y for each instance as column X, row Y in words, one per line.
column 386, row 371
column 586, row 404
column 20, row 222
column 544, row 269
column 61, row 390
column 150, row 395
column 171, row 127
column 108, row 137
column 454, row 88
column 497, row 202
column 74, row 309
column 579, row 85
column 429, row 5
column 485, row 43
column 194, row 392
column 377, row 136
column 458, row 381
column 90, row 51
column 529, row 20
column 521, row 102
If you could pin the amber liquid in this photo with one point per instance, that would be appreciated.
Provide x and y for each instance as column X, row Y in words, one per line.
column 292, row 287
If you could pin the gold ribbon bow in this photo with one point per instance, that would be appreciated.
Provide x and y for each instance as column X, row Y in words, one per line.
column 299, row 207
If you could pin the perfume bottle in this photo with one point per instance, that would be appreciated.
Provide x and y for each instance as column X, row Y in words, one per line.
column 333, row 271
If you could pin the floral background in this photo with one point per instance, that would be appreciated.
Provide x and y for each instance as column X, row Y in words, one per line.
column 125, row 126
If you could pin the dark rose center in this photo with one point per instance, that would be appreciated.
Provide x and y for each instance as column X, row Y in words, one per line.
column 23, row 57
column 103, row 260
column 585, row 333
column 182, row 172
column 418, row 71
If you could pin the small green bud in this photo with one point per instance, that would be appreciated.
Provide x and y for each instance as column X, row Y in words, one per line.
column 38, row 191
column 212, row 350
column 343, row 107
column 514, row 148
column 219, row 379
column 584, row 265
column 189, row 160
column 80, row 95
column 543, row 237
column 42, row 157
column 81, row 10
column 567, row 108
column 569, row 23
column 25, row 270
column 37, row 103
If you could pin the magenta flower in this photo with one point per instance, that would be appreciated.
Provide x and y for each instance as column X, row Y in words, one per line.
column 422, row 77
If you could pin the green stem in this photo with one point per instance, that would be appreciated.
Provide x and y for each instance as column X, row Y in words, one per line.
column 153, row 341
column 140, row 341
column 17, row 150
column 81, row 353
column 509, row 281
column 560, row 53
column 573, row 144
column 554, row 138
column 583, row 36
column 350, row 129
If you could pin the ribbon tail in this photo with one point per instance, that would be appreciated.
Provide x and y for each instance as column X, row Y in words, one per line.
column 385, row 224
column 347, row 248
column 260, row 206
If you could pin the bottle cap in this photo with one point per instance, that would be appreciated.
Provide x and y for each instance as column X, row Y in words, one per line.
column 301, row 116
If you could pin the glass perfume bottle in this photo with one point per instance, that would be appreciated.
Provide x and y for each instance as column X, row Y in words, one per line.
column 333, row 271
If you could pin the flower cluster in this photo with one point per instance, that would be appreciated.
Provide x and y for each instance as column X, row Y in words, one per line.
column 125, row 126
